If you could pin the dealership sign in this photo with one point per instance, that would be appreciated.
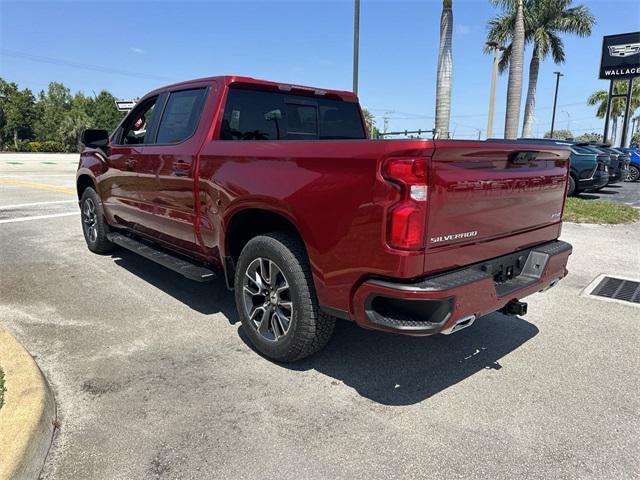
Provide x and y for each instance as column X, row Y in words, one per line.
column 125, row 105
column 620, row 56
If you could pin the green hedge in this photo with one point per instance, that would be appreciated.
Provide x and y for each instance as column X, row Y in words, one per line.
column 49, row 146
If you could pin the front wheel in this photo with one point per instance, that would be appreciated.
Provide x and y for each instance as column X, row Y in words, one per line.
column 94, row 225
column 276, row 299
column 633, row 174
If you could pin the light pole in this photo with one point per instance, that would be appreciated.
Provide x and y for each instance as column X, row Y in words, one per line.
column 356, row 44
column 495, row 47
column 555, row 101
column 568, row 120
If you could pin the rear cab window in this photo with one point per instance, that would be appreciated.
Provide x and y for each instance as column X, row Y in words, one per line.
column 263, row 115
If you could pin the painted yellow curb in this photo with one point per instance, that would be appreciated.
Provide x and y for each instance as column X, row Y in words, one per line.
column 28, row 414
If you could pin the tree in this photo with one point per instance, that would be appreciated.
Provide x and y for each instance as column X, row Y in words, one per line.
column 6, row 91
column 19, row 115
column 445, row 65
column 561, row 134
column 516, row 62
column 104, row 113
column 370, row 120
column 599, row 99
column 544, row 21
column 68, row 133
column 53, row 106
column 589, row 137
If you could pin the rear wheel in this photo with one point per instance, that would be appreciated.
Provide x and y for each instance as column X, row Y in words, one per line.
column 633, row 174
column 276, row 299
column 94, row 225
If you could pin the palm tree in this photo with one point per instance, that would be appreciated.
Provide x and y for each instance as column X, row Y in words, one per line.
column 445, row 63
column 544, row 21
column 599, row 99
column 370, row 120
column 514, row 13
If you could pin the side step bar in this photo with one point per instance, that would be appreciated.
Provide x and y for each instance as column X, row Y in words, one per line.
column 184, row 268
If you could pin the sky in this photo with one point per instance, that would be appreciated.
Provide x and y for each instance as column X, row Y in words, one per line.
column 132, row 47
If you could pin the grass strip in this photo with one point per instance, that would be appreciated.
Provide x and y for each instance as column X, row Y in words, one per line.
column 578, row 210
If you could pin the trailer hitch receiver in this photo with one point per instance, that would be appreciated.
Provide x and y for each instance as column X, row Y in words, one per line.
column 515, row 308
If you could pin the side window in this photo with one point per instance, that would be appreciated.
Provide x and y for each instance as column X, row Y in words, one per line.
column 135, row 130
column 251, row 115
column 181, row 115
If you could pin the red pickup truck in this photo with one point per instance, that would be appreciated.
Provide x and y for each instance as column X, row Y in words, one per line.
column 279, row 188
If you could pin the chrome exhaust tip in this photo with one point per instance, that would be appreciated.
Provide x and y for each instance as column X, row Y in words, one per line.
column 464, row 322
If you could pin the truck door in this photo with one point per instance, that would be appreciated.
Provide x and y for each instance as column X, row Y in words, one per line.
column 165, row 171
column 119, row 187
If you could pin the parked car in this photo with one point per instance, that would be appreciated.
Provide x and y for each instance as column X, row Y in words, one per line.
column 277, row 188
column 589, row 169
column 619, row 165
column 634, row 164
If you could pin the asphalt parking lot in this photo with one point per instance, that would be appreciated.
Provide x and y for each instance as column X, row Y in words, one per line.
column 624, row 193
column 153, row 376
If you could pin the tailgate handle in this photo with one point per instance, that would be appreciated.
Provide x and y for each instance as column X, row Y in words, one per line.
column 523, row 157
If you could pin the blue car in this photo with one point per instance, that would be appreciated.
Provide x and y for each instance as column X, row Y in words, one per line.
column 633, row 175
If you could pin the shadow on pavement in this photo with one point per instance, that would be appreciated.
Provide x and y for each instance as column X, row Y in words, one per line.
column 399, row 370
column 206, row 298
column 386, row 368
column 608, row 190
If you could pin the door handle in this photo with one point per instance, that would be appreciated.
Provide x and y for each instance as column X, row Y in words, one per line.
column 181, row 167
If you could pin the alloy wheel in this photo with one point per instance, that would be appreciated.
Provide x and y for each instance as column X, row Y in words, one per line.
column 267, row 299
column 90, row 220
column 633, row 174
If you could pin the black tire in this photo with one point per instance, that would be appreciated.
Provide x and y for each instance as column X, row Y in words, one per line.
column 303, row 328
column 633, row 175
column 571, row 189
column 94, row 225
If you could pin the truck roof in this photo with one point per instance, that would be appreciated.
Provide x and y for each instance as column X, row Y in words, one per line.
column 228, row 80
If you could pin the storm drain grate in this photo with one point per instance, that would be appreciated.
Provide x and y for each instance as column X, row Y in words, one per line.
column 618, row 289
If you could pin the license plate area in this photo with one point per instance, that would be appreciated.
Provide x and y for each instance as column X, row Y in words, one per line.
column 505, row 268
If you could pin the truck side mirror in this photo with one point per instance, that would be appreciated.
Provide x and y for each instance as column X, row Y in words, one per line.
column 94, row 138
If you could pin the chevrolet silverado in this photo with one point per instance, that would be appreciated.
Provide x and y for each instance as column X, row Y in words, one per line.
column 278, row 188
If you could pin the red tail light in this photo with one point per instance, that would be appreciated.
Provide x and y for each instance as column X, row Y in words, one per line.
column 406, row 218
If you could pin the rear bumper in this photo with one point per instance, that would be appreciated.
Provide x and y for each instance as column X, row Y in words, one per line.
column 437, row 303
column 620, row 174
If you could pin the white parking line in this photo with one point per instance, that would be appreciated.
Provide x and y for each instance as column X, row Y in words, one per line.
column 27, row 174
column 35, row 204
column 38, row 217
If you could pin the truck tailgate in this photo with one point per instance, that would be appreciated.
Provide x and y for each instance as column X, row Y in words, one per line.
column 480, row 192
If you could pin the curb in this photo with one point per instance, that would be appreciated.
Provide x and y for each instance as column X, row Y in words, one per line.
column 28, row 414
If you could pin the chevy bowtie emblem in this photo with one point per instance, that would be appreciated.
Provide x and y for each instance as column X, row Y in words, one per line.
column 624, row 50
